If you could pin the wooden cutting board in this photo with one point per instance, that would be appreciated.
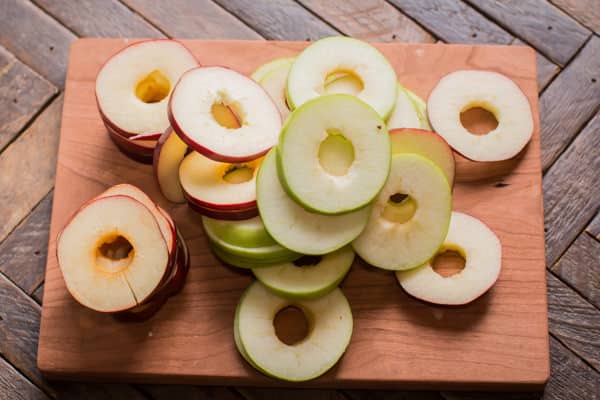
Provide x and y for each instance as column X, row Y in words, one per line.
column 500, row 341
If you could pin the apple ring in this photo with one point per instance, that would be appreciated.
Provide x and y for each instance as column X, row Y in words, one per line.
column 463, row 90
column 482, row 252
column 330, row 321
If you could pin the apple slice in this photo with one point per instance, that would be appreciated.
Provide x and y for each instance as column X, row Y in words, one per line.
column 218, row 186
column 141, row 150
column 309, row 276
column 335, row 55
column 330, row 330
column 137, row 81
column 482, row 252
column 296, row 228
column 264, row 69
column 410, row 218
column 420, row 107
column 274, row 84
column 463, row 90
column 404, row 114
column 343, row 83
column 112, row 254
column 237, row 260
column 201, row 98
column 329, row 147
column 427, row 144
column 168, row 155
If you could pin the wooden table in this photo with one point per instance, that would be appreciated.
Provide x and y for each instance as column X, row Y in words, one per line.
column 34, row 43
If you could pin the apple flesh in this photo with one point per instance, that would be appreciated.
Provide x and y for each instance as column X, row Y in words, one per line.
column 168, row 155
column 264, row 69
column 482, row 252
column 404, row 114
column 274, row 84
column 330, row 332
column 420, row 107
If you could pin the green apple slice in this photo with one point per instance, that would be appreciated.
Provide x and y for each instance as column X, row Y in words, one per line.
column 404, row 114
column 420, row 107
column 329, row 147
column 329, row 334
column 274, row 84
column 295, row 228
column 240, row 261
column 264, row 69
column 410, row 218
column 306, row 278
column 482, row 252
column 337, row 55
column 343, row 84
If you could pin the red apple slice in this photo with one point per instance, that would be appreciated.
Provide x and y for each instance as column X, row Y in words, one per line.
column 427, row 144
column 112, row 254
column 219, row 186
column 201, row 99
column 168, row 154
column 146, row 136
column 140, row 151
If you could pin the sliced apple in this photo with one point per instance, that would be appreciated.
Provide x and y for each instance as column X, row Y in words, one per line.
column 296, row 228
column 410, row 217
column 217, row 186
column 404, row 114
column 141, row 150
column 343, row 83
column 112, row 254
column 309, row 276
column 420, row 107
column 168, row 155
column 329, row 147
column 330, row 332
column 482, row 252
column 274, row 84
column 426, row 143
column 264, row 69
column 137, row 81
column 201, row 98
column 462, row 90
column 334, row 55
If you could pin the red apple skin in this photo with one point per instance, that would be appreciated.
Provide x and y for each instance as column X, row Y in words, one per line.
column 199, row 147
column 232, row 215
column 130, row 148
column 219, row 207
column 148, row 136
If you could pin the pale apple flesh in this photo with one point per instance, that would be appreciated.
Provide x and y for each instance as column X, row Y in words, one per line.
column 168, row 155
column 404, row 114
column 330, row 321
column 266, row 68
column 482, row 252
column 274, row 84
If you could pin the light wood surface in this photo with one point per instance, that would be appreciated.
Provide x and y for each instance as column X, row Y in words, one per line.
column 499, row 339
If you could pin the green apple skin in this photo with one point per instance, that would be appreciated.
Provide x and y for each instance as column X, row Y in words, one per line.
column 420, row 108
column 247, row 262
column 270, row 66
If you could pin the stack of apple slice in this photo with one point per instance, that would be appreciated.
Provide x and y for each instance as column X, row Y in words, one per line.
column 122, row 254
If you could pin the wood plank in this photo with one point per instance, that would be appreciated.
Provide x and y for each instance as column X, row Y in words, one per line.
column 539, row 23
column 200, row 19
column 108, row 18
column 279, row 19
column 580, row 267
column 594, row 227
column 546, row 69
column 574, row 93
column 289, row 394
column 188, row 392
column 391, row 395
column 585, row 11
column 14, row 386
column 23, row 253
column 374, row 20
column 36, row 39
column 454, row 21
column 571, row 195
column 38, row 294
column 96, row 391
column 22, row 93
column 574, row 321
column 28, row 166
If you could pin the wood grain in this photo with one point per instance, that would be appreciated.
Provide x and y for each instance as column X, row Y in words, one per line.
column 108, row 18
column 38, row 294
column 23, row 253
column 22, row 94
column 546, row 69
column 397, row 340
column 14, row 386
column 36, row 39
column 574, row 321
column 290, row 394
column 181, row 392
column 585, row 11
column 391, row 395
column 279, row 19
column 202, row 19
column 594, row 227
column 574, row 93
column 28, row 167
column 373, row 20
column 580, row 267
column 539, row 23
column 453, row 21
column 568, row 201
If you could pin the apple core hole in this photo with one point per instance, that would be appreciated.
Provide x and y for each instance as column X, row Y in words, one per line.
column 448, row 263
column 153, row 88
column 478, row 120
column 400, row 208
column 114, row 254
column 226, row 115
column 291, row 325
column 238, row 173
column 336, row 153
column 306, row 261
column 344, row 82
